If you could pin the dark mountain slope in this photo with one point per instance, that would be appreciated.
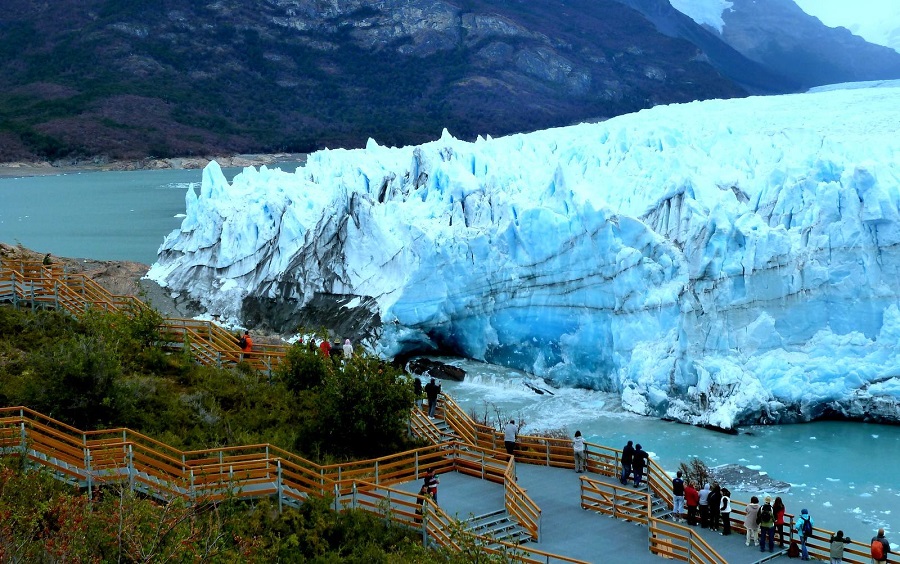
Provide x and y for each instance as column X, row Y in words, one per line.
column 752, row 75
column 782, row 37
column 128, row 79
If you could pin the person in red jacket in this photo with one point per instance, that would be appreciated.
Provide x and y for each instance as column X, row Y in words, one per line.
column 325, row 347
column 692, row 501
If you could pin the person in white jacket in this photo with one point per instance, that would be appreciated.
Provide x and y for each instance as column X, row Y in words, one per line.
column 578, row 448
column 726, row 511
column 348, row 349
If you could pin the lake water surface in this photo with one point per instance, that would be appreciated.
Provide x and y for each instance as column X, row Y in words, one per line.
column 846, row 474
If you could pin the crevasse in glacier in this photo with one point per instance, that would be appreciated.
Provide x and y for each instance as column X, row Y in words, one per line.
column 718, row 262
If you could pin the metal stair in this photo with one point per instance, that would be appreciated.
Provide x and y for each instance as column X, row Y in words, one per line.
column 499, row 526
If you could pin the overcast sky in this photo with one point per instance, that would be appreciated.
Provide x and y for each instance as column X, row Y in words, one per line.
column 835, row 13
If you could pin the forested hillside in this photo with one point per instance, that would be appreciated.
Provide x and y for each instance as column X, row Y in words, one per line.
column 122, row 80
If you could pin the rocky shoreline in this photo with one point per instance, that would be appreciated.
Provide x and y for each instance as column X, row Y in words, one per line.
column 102, row 164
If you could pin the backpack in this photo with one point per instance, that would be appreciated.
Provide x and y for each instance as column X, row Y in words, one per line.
column 794, row 550
column 806, row 528
column 878, row 550
column 765, row 514
column 242, row 342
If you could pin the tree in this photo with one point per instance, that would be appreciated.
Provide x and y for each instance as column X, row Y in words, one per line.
column 363, row 408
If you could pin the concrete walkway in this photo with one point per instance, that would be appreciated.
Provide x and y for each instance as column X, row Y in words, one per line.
column 566, row 529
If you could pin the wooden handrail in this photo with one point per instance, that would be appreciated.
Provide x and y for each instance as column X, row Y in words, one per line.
column 519, row 504
column 76, row 293
column 671, row 540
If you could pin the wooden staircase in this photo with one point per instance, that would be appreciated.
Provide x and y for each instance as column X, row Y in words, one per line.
column 31, row 284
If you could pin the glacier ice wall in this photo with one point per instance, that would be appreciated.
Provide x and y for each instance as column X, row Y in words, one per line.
column 719, row 262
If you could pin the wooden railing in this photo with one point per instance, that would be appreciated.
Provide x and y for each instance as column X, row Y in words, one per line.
column 670, row 540
column 615, row 500
column 207, row 342
column 521, row 507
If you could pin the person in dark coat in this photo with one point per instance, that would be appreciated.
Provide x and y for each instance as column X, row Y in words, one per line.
column 715, row 503
column 638, row 462
column 627, row 456
column 417, row 391
column 432, row 389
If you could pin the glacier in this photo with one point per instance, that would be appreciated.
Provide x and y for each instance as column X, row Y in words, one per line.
column 720, row 263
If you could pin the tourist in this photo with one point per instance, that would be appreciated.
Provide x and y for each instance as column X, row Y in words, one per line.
column 677, row 496
column 638, row 461
column 348, row 349
column 578, row 449
column 779, row 509
column 838, row 541
column 420, row 501
column 804, row 526
column 714, row 499
column 766, row 520
column 692, row 500
column 703, row 503
column 325, row 347
column 431, row 483
column 751, row 518
column 879, row 553
column 432, row 389
column 627, row 456
column 725, row 510
column 47, row 260
column 417, row 391
column 509, row 437
column 246, row 342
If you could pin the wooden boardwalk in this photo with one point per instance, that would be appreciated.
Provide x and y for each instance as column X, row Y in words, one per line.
column 566, row 528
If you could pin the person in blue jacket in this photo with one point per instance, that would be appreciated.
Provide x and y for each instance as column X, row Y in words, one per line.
column 804, row 527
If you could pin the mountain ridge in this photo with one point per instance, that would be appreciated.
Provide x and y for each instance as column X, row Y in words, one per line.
column 125, row 80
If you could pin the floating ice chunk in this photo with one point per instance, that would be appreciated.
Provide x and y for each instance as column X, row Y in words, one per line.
column 754, row 467
column 833, row 479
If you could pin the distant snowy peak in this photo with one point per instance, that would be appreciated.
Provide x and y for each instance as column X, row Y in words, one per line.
column 704, row 12
column 885, row 32
column 876, row 24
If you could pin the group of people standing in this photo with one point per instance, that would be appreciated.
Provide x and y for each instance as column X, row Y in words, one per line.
column 634, row 460
column 710, row 508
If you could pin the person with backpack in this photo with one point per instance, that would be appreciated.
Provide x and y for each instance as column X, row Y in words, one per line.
column 765, row 518
column 751, row 522
column 627, row 456
column 881, row 547
column 677, row 497
column 836, row 552
column 804, row 528
column 245, row 342
column 725, row 509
